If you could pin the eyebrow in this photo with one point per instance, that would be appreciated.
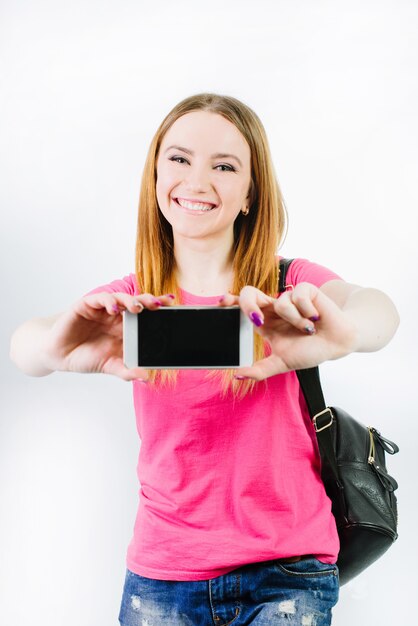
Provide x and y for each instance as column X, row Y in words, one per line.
column 218, row 155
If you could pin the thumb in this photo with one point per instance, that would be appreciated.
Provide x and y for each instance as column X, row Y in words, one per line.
column 116, row 367
column 270, row 366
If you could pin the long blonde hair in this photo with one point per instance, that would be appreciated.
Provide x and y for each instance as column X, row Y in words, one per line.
column 256, row 235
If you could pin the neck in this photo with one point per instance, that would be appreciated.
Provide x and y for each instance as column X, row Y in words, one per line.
column 204, row 267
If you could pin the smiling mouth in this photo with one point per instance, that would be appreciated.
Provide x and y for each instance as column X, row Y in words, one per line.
column 198, row 207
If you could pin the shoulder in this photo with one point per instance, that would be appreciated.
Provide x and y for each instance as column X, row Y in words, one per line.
column 303, row 270
column 127, row 284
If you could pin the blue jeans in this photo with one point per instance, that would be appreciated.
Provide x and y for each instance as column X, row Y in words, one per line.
column 270, row 593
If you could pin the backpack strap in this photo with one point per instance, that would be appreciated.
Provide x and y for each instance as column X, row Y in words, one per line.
column 283, row 267
column 310, row 383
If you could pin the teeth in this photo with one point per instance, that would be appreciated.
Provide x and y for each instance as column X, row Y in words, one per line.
column 195, row 206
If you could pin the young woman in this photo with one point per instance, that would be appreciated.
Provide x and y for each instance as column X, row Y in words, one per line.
column 233, row 525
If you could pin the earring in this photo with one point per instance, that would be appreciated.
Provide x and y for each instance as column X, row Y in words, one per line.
column 245, row 211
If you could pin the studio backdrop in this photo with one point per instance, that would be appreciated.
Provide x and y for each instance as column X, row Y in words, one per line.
column 84, row 87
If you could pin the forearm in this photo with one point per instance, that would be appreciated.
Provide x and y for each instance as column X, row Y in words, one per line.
column 374, row 316
column 26, row 346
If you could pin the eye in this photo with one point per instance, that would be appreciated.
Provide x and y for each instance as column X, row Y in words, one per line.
column 230, row 168
column 175, row 158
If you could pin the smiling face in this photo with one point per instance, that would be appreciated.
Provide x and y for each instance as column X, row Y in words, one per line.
column 203, row 175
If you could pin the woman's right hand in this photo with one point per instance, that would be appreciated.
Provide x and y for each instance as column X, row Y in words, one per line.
column 89, row 336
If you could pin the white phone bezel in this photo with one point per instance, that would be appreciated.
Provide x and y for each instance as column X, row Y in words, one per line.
column 130, row 341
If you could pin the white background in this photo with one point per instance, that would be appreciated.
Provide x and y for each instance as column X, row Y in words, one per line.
column 84, row 86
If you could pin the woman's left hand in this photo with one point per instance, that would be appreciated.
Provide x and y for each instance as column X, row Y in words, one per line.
column 304, row 327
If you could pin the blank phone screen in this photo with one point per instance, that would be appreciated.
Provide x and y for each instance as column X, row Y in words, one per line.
column 189, row 337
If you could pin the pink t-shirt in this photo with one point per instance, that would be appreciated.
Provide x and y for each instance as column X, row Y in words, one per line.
column 225, row 482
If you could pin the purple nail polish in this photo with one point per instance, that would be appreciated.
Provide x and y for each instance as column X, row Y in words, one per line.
column 157, row 302
column 256, row 319
column 115, row 308
column 314, row 318
column 221, row 299
column 310, row 330
column 171, row 295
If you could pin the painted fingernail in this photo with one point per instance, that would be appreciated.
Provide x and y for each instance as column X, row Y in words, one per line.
column 314, row 318
column 115, row 308
column 157, row 302
column 221, row 299
column 170, row 295
column 256, row 319
column 310, row 330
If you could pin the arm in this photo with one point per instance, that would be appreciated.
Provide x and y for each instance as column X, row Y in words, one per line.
column 86, row 338
column 310, row 325
column 26, row 345
column 371, row 312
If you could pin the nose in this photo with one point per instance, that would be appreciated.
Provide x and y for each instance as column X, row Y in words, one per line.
column 197, row 179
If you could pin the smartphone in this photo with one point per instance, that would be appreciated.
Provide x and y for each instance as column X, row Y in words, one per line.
column 188, row 337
